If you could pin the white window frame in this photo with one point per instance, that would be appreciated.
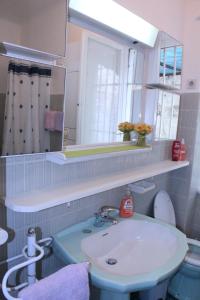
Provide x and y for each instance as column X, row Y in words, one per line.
column 174, row 65
column 83, row 69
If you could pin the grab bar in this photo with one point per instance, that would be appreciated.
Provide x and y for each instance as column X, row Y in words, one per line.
column 31, row 248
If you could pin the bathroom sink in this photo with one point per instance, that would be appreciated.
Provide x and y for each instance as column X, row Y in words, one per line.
column 133, row 255
column 131, row 247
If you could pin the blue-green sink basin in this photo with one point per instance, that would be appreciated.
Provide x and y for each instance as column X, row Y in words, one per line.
column 145, row 252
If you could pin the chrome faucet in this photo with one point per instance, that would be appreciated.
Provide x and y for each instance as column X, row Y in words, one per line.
column 103, row 216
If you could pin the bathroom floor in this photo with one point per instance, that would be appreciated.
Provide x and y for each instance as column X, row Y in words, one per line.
column 136, row 297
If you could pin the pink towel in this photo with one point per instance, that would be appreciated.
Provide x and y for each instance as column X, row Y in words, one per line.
column 50, row 120
column 59, row 121
column 53, row 120
column 69, row 283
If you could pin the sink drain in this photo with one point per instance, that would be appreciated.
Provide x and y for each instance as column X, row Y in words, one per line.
column 111, row 261
column 86, row 230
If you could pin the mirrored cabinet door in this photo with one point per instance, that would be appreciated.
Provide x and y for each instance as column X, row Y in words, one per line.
column 99, row 84
column 37, row 24
column 164, row 63
column 31, row 107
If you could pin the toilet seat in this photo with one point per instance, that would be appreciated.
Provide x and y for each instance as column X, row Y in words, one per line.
column 164, row 210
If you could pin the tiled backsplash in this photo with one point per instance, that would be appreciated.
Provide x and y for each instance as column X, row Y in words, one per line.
column 52, row 220
column 184, row 183
column 33, row 172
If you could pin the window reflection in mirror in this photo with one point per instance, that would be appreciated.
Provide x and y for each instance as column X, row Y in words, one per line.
column 170, row 72
column 31, row 101
column 101, row 74
column 171, row 66
column 167, row 116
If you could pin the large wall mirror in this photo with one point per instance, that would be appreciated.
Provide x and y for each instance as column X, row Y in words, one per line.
column 164, row 86
column 111, row 81
column 101, row 75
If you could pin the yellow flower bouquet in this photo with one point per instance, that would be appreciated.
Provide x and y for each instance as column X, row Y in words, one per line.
column 142, row 130
column 126, row 128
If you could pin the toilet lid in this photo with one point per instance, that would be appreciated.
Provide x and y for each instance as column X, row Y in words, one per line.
column 163, row 208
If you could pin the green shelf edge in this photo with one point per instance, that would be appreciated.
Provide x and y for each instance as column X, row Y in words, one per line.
column 101, row 150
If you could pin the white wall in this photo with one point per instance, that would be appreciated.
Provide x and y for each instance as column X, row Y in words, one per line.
column 191, row 41
column 45, row 29
column 167, row 15
column 9, row 32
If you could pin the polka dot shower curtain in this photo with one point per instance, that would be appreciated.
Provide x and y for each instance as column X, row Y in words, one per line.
column 27, row 99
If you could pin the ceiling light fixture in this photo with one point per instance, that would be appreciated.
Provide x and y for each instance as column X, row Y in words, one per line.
column 114, row 16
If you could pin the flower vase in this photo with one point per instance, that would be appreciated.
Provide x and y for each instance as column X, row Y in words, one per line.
column 126, row 136
column 141, row 140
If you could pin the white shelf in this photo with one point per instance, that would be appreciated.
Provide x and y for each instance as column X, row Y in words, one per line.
column 43, row 199
column 60, row 159
column 24, row 53
column 164, row 87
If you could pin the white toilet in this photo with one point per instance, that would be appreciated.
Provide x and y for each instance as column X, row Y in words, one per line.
column 185, row 285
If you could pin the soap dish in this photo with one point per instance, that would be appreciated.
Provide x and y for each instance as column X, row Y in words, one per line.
column 142, row 186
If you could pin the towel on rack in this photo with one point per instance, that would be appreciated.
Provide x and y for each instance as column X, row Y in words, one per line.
column 53, row 120
column 69, row 283
column 50, row 120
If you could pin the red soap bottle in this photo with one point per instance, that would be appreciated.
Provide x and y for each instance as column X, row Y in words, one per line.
column 176, row 148
column 126, row 206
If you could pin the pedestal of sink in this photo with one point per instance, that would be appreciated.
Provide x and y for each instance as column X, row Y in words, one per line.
column 108, row 295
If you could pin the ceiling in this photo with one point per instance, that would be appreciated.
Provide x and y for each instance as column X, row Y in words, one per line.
column 19, row 10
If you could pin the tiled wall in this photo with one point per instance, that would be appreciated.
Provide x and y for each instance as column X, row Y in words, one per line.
column 32, row 172
column 28, row 173
column 2, row 109
column 184, row 183
column 3, row 218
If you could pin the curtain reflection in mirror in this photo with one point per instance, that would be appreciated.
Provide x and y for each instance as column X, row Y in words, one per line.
column 27, row 99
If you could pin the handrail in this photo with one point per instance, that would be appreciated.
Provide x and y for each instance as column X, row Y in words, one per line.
column 30, row 261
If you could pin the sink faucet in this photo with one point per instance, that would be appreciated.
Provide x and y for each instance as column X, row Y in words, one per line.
column 103, row 216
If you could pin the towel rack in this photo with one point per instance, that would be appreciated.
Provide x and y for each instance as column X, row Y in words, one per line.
column 29, row 252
